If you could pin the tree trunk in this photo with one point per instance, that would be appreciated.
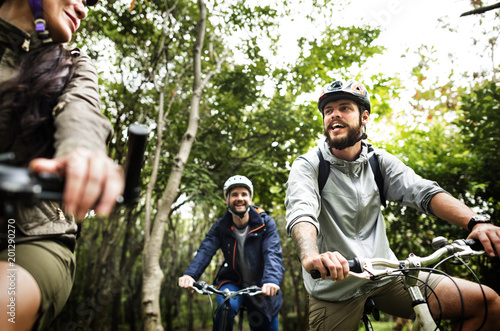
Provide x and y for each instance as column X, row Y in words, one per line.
column 296, row 281
column 152, row 273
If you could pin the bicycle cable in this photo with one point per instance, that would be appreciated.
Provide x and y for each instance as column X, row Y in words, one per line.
column 435, row 270
column 480, row 286
column 427, row 287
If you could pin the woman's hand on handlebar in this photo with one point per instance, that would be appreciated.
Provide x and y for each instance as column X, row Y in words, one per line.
column 333, row 262
column 270, row 289
column 92, row 180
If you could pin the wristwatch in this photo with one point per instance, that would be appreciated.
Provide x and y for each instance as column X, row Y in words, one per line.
column 478, row 219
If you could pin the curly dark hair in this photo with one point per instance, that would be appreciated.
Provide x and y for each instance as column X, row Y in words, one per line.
column 33, row 93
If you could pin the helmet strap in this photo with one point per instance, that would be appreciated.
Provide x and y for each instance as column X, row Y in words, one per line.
column 240, row 215
column 40, row 24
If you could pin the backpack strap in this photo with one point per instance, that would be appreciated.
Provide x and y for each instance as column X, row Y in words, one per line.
column 374, row 164
column 324, row 171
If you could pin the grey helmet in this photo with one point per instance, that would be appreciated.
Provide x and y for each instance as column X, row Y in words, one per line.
column 337, row 90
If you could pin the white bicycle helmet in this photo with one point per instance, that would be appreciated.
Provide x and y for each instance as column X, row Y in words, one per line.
column 237, row 181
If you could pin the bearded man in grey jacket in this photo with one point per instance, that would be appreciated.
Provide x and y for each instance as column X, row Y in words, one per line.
column 343, row 220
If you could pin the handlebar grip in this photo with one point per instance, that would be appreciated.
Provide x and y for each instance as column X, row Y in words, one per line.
column 354, row 266
column 52, row 185
column 199, row 285
column 18, row 184
column 474, row 244
column 137, row 137
column 315, row 274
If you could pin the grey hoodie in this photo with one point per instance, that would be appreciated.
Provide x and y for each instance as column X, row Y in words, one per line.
column 348, row 213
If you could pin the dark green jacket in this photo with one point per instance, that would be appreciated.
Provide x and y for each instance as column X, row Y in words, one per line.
column 78, row 122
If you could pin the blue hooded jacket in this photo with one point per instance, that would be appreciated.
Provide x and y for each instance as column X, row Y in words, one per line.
column 262, row 247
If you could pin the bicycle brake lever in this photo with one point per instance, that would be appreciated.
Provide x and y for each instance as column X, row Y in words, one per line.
column 369, row 272
column 198, row 290
column 465, row 255
column 199, row 287
column 254, row 290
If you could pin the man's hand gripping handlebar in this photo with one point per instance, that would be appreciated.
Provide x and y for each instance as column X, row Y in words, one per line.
column 376, row 268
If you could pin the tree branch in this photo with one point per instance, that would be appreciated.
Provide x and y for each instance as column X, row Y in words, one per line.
column 481, row 9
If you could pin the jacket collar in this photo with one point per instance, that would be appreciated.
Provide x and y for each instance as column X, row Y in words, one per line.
column 343, row 165
column 16, row 39
column 254, row 219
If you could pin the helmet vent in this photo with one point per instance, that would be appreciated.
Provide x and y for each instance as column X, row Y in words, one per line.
column 337, row 85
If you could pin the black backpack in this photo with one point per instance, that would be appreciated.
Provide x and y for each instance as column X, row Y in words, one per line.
column 324, row 171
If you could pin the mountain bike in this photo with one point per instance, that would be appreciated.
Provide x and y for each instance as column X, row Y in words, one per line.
column 19, row 184
column 377, row 268
column 225, row 307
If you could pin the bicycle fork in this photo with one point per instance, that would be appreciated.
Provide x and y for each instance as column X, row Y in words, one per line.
column 223, row 324
column 423, row 317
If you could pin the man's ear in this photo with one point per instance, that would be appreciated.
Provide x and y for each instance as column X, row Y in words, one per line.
column 365, row 117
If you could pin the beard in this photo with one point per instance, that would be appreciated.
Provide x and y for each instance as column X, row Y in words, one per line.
column 353, row 136
column 234, row 211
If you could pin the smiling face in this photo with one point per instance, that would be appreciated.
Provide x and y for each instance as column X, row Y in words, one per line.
column 63, row 18
column 239, row 200
column 343, row 123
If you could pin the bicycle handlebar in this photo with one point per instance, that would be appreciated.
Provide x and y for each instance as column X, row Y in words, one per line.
column 20, row 184
column 366, row 268
column 204, row 288
column 354, row 266
column 137, row 138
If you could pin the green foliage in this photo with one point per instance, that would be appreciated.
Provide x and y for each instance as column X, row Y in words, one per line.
column 426, row 142
column 459, row 155
column 480, row 127
column 331, row 54
column 383, row 90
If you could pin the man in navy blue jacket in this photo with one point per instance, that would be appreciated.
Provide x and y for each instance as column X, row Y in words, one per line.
column 249, row 239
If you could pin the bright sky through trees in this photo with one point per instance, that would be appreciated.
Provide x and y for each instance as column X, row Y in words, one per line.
column 409, row 24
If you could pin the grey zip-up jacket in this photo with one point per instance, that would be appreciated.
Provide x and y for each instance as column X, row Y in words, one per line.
column 348, row 214
column 78, row 123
